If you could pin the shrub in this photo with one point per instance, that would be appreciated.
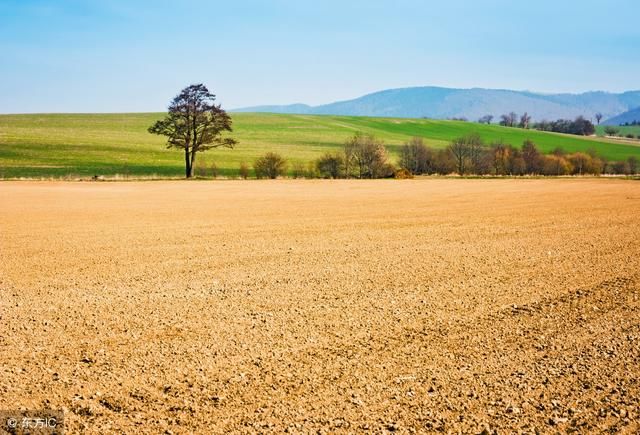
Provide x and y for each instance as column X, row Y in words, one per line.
column 556, row 165
column 416, row 157
column 517, row 165
column 387, row 170
column 244, row 170
column 630, row 136
column 330, row 165
column 312, row 172
column 621, row 168
column 532, row 158
column 297, row 170
column 367, row 156
column 466, row 152
column 402, row 174
column 633, row 165
column 271, row 165
column 581, row 163
column 610, row 131
column 500, row 156
column 484, row 162
column 443, row 162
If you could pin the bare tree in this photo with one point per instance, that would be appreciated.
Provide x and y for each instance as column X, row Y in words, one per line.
column 475, row 151
column 443, row 162
column 461, row 151
column 368, row 155
column 501, row 154
column 517, row 165
column 598, row 117
column 509, row 119
column 524, row 121
column 532, row 158
column 486, row 119
column 554, row 164
column 194, row 124
column 349, row 150
column 580, row 162
column 416, row 157
column 514, row 118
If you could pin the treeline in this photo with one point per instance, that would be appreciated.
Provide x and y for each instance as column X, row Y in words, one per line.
column 362, row 156
column 469, row 155
column 365, row 156
column 579, row 126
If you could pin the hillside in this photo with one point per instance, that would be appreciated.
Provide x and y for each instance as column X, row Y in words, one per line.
column 626, row 117
column 444, row 103
column 57, row 145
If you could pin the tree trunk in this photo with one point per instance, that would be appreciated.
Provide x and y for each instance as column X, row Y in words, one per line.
column 187, row 163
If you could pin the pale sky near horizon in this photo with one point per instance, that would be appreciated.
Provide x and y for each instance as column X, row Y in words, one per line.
column 131, row 56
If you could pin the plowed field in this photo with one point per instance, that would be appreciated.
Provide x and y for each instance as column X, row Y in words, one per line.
column 331, row 306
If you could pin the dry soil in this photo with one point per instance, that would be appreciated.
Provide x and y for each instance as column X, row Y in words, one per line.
column 323, row 306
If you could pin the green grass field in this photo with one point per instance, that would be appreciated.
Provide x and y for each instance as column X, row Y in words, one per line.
column 634, row 129
column 59, row 145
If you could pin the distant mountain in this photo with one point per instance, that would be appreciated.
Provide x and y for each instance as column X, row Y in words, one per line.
column 443, row 103
column 626, row 117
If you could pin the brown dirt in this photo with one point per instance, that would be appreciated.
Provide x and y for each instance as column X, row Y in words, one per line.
column 409, row 306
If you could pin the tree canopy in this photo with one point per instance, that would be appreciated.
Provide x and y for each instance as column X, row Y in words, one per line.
column 194, row 124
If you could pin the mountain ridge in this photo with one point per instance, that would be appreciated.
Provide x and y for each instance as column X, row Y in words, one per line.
column 472, row 103
column 626, row 117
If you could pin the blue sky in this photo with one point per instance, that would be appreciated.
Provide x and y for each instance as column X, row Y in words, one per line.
column 128, row 55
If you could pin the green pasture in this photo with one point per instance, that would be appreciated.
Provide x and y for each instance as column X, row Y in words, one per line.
column 83, row 145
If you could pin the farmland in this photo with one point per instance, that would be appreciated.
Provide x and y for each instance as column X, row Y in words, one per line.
column 451, row 305
column 84, row 145
column 622, row 129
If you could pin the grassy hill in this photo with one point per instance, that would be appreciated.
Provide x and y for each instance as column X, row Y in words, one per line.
column 624, row 130
column 56, row 145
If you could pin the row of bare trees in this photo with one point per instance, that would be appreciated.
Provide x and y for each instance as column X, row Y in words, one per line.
column 578, row 126
column 469, row 155
column 365, row 156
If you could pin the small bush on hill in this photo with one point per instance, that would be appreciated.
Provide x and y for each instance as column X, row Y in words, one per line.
column 330, row 165
column 271, row 165
column 610, row 131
